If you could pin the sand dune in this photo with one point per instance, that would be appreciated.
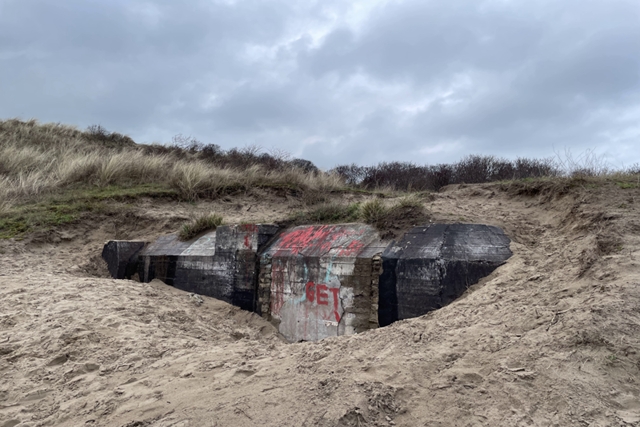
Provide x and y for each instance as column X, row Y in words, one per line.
column 552, row 338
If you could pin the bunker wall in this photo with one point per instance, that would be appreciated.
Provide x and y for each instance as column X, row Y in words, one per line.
column 222, row 264
column 433, row 265
column 316, row 284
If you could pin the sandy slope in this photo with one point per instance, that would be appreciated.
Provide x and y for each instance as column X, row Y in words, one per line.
column 552, row 338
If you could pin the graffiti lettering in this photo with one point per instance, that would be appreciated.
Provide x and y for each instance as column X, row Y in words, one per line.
column 318, row 293
column 311, row 291
column 322, row 297
column 335, row 292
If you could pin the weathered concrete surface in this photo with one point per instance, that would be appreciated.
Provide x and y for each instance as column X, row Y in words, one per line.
column 433, row 265
column 318, row 281
column 222, row 264
column 122, row 257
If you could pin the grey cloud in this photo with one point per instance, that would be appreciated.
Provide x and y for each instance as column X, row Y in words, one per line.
column 536, row 82
column 423, row 81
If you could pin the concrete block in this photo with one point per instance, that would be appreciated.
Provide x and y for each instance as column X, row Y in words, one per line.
column 321, row 277
column 433, row 265
column 122, row 257
column 222, row 264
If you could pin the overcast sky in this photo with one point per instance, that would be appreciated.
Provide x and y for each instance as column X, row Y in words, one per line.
column 335, row 81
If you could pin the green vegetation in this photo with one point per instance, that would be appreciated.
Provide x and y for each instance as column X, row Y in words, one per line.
column 328, row 213
column 373, row 211
column 37, row 160
column 199, row 225
column 43, row 216
column 405, row 212
column 627, row 185
column 68, row 206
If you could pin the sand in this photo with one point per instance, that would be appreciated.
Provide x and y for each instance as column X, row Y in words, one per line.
column 551, row 338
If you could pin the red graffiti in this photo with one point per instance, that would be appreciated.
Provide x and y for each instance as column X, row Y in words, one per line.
column 318, row 293
column 353, row 248
column 311, row 291
column 335, row 292
column 277, row 287
column 322, row 296
column 318, row 240
column 249, row 230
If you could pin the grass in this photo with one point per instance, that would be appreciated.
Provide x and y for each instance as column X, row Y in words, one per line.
column 199, row 225
column 52, row 174
column 68, row 206
column 44, row 216
column 627, row 185
column 328, row 213
column 405, row 212
column 37, row 160
column 373, row 211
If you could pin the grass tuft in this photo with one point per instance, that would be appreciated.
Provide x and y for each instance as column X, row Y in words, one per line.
column 627, row 185
column 199, row 225
column 373, row 211
column 389, row 220
column 327, row 213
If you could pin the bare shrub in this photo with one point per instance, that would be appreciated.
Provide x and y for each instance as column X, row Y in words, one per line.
column 633, row 169
column 352, row 174
column 97, row 133
column 305, row 165
column 186, row 142
column 210, row 153
column 585, row 164
column 471, row 169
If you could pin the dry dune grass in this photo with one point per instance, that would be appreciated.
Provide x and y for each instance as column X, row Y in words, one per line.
column 37, row 159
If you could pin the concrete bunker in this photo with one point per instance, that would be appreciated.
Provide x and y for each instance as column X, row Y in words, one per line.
column 318, row 281
column 222, row 264
column 433, row 265
column 322, row 280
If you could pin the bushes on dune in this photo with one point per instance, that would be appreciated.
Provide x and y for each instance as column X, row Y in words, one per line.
column 405, row 176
